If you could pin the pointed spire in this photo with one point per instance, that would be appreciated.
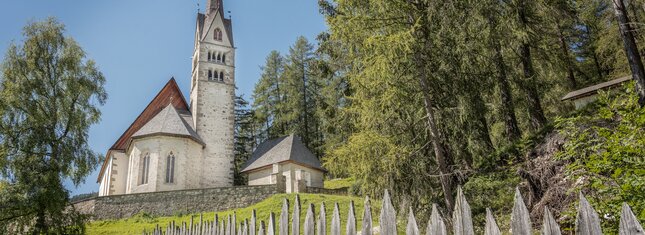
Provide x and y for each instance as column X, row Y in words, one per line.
column 213, row 5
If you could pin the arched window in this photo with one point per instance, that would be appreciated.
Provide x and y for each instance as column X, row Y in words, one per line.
column 145, row 168
column 216, row 77
column 210, row 75
column 217, row 35
column 170, row 168
column 224, row 58
column 219, row 57
column 209, row 56
column 221, row 76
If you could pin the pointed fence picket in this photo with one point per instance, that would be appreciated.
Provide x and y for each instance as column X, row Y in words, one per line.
column 366, row 228
column 587, row 221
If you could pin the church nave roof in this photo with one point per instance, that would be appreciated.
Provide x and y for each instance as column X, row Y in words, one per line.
column 170, row 122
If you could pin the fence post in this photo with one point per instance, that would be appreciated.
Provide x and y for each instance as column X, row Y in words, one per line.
column 628, row 222
column 461, row 217
column 491, row 224
column 520, row 218
column 367, row 217
column 387, row 219
column 335, row 221
column 587, row 221
column 222, row 229
column 295, row 218
column 322, row 220
column 261, row 231
column 271, row 228
column 549, row 226
column 412, row 228
column 435, row 224
column 252, row 224
column 284, row 218
column 350, row 227
column 309, row 226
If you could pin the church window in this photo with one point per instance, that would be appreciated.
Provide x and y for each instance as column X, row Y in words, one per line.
column 145, row 168
column 221, row 76
column 217, row 35
column 215, row 78
column 210, row 75
column 209, row 56
column 224, row 58
column 170, row 168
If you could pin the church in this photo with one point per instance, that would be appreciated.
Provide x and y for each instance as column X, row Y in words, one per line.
column 176, row 145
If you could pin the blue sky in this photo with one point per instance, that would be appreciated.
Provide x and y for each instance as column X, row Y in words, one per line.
column 140, row 44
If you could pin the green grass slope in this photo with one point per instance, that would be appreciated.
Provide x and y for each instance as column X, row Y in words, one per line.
column 338, row 183
column 141, row 222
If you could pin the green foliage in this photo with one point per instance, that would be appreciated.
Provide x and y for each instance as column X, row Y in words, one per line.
column 83, row 196
column 244, row 139
column 49, row 92
column 273, row 204
column 605, row 147
column 495, row 191
column 339, row 183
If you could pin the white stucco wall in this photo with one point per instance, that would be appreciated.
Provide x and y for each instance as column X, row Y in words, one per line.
column 291, row 172
column 119, row 171
column 584, row 101
column 188, row 160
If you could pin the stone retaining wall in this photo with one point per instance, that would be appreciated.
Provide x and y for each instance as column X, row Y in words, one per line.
column 339, row 191
column 175, row 202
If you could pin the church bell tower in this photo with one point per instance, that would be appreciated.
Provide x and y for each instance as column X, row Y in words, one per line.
column 212, row 94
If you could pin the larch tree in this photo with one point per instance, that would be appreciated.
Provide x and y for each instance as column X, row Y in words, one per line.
column 269, row 97
column 631, row 49
column 49, row 92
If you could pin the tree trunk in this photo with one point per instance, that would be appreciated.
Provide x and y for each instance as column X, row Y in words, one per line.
column 631, row 49
column 596, row 61
column 512, row 130
column 507, row 108
column 443, row 158
column 536, row 115
column 305, row 135
column 567, row 58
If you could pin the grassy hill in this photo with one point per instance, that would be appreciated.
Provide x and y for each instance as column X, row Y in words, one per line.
column 140, row 222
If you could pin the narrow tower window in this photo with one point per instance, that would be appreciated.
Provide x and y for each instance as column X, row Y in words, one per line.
column 170, row 168
column 224, row 58
column 219, row 57
column 215, row 78
column 217, row 35
column 221, row 76
column 210, row 75
column 145, row 168
column 209, row 56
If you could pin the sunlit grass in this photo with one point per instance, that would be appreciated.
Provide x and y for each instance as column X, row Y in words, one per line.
column 140, row 222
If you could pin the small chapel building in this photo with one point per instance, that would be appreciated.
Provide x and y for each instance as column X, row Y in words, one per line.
column 176, row 145
column 284, row 159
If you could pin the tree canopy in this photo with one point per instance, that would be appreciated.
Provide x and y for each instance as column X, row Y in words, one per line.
column 49, row 93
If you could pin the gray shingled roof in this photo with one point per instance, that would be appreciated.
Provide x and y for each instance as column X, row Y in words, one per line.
column 594, row 89
column 200, row 24
column 170, row 122
column 288, row 148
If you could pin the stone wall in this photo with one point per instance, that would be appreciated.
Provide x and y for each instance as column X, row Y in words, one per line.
column 175, row 202
column 338, row 191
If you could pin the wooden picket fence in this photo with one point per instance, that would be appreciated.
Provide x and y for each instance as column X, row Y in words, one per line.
column 587, row 221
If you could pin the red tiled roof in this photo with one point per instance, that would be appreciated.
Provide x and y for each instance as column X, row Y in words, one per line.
column 169, row 93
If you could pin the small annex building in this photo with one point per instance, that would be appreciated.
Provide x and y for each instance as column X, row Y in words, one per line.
column 584, row 96
column 288, row 157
